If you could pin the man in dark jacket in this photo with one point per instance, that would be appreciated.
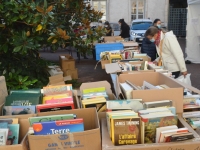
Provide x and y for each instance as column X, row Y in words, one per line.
column 149, row 48
column 125, row 29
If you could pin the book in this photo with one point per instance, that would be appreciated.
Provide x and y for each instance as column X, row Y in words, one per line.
column 18, row 110
column 3, row 125
column 58, row 98
column 55, row 107
column 165, row 134
column 18, row 99
column 159, row 130
column 58, row 127
column 94, row 90
column 29, row 91
column 157, row 110
column 181, row 137
column 51, row 118
column 54, row 90
column 9, row 120
column 3, row 137
column 190, row 100
column 132, row 85
column 127, row 90
column 94, row 95
column 153, row 121
column 13, row 134
column 126, row 131
column 163, row 103
column 134, row 104
column 148, row 86
column 191, row 114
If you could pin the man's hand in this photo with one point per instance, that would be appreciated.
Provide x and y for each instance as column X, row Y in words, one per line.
column 184, row 73
column 156, row 63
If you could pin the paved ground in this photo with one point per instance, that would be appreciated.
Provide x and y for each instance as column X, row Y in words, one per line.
column 87, row 73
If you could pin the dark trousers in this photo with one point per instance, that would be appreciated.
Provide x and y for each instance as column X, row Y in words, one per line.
column 176, row 74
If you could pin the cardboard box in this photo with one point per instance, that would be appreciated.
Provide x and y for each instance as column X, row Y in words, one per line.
column 186, row 145
column 104, row 62
column 111, row 38
column 99, row 84
column 24, row 127
column 58, row 79
column 130, row 44
column 3, row 90
column 174, row 93
column 71, row 72
column 54, row 70
column 67, row 62
column 89, row 139
column 114, row 68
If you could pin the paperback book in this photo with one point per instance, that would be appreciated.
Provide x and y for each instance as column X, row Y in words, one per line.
column 59, row 89
column 18, row 110
column 58, row 127
column 13, row 134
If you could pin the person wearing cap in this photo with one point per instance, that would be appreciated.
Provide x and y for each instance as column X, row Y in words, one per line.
column 125, row 30
column 108, row 28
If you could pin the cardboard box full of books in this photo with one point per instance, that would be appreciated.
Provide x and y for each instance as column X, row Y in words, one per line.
column 67, row 62
column 89, row 139
column 187, row 145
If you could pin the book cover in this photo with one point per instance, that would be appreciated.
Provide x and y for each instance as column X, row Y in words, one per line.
column 181, row 137
column 148, row 86
column 51, row 118
column 163, row 103
column 151, row 124
column 18, row 110
column 134, row 105
column 55, row 107
column 58, row 127
column 126, row 131
column 3, row 136
column 22, row 99
column 59, row 89
column 9, row 120
column 13, row 134
column 94, row 90
column 100, row 106
column 3, row 125
column 96, row 94
column 29, row 91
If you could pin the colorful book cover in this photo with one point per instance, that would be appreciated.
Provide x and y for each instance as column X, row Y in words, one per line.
column 9, row 120
column 3, row 136
column 55, row 107
column 18, row 110
column 151, row 124
column 13, row 134
column 22, row 99
column 60, row 89
column 94, row 90
column 51, row 118
column 126, row 131
column 3, row 125
column 100, row 106
column 58, row 127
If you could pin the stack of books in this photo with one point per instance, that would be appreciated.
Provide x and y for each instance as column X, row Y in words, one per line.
column 22, row 102
column 9, row 131
column 193, row 119
column 95, row 97
column 55, row 98
column 55, row 124
column 191, row 103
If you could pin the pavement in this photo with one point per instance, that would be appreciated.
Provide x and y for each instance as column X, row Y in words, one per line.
column 88, row 73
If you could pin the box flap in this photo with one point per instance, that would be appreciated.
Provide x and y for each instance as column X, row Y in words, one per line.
column 112, row 68
column 67, row 78
column 105, row 84
column 130, row 44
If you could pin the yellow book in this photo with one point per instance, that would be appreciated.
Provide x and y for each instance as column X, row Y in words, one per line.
column 94, row 90
column 100, row 105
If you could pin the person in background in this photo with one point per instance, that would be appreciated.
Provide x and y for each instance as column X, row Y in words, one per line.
column 108, row 28
column 169, row 51
column 149, row 47
column 125, row 30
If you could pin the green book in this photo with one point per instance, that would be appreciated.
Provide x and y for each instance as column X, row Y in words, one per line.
column 22, row 99
column 29, row 91
column 51, row 118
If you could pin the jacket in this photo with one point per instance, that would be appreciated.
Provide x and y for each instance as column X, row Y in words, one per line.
column 149, row 48
column 125, row 31
column 109, row 31
column 172, row 54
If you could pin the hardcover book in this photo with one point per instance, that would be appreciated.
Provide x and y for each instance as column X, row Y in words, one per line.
column 18, row 110
column 55, row 107
column 54, row 90
column 13, row 134
column 22, row 99
column 51, row 118
column 151, row 122
column 3, row 137
column 58, row 127
column 163, row 103
column 126, row 131
column 29, row 91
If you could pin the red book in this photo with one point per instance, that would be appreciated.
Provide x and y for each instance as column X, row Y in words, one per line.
column 55, row 107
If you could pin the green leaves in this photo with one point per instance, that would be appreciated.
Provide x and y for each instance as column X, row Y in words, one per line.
column 17, row 49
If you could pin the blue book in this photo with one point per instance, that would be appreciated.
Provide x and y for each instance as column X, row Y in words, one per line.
column 58, row 127
column 3, row 124
column 13, row 134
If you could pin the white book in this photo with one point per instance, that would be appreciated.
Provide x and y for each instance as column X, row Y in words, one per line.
column 159, row 130
column 164, row 134
column 3, row 136
column 127, row 90
column 191, row 114
column 151, row 110
column 157, row 115
column 148, row 86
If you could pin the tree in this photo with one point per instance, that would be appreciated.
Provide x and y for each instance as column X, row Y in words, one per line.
column 27, row 24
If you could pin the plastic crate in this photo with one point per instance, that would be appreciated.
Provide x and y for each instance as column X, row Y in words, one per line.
column 107, row 47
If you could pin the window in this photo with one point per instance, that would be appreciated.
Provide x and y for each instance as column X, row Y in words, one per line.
column 100, row 6
column 137, row 10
